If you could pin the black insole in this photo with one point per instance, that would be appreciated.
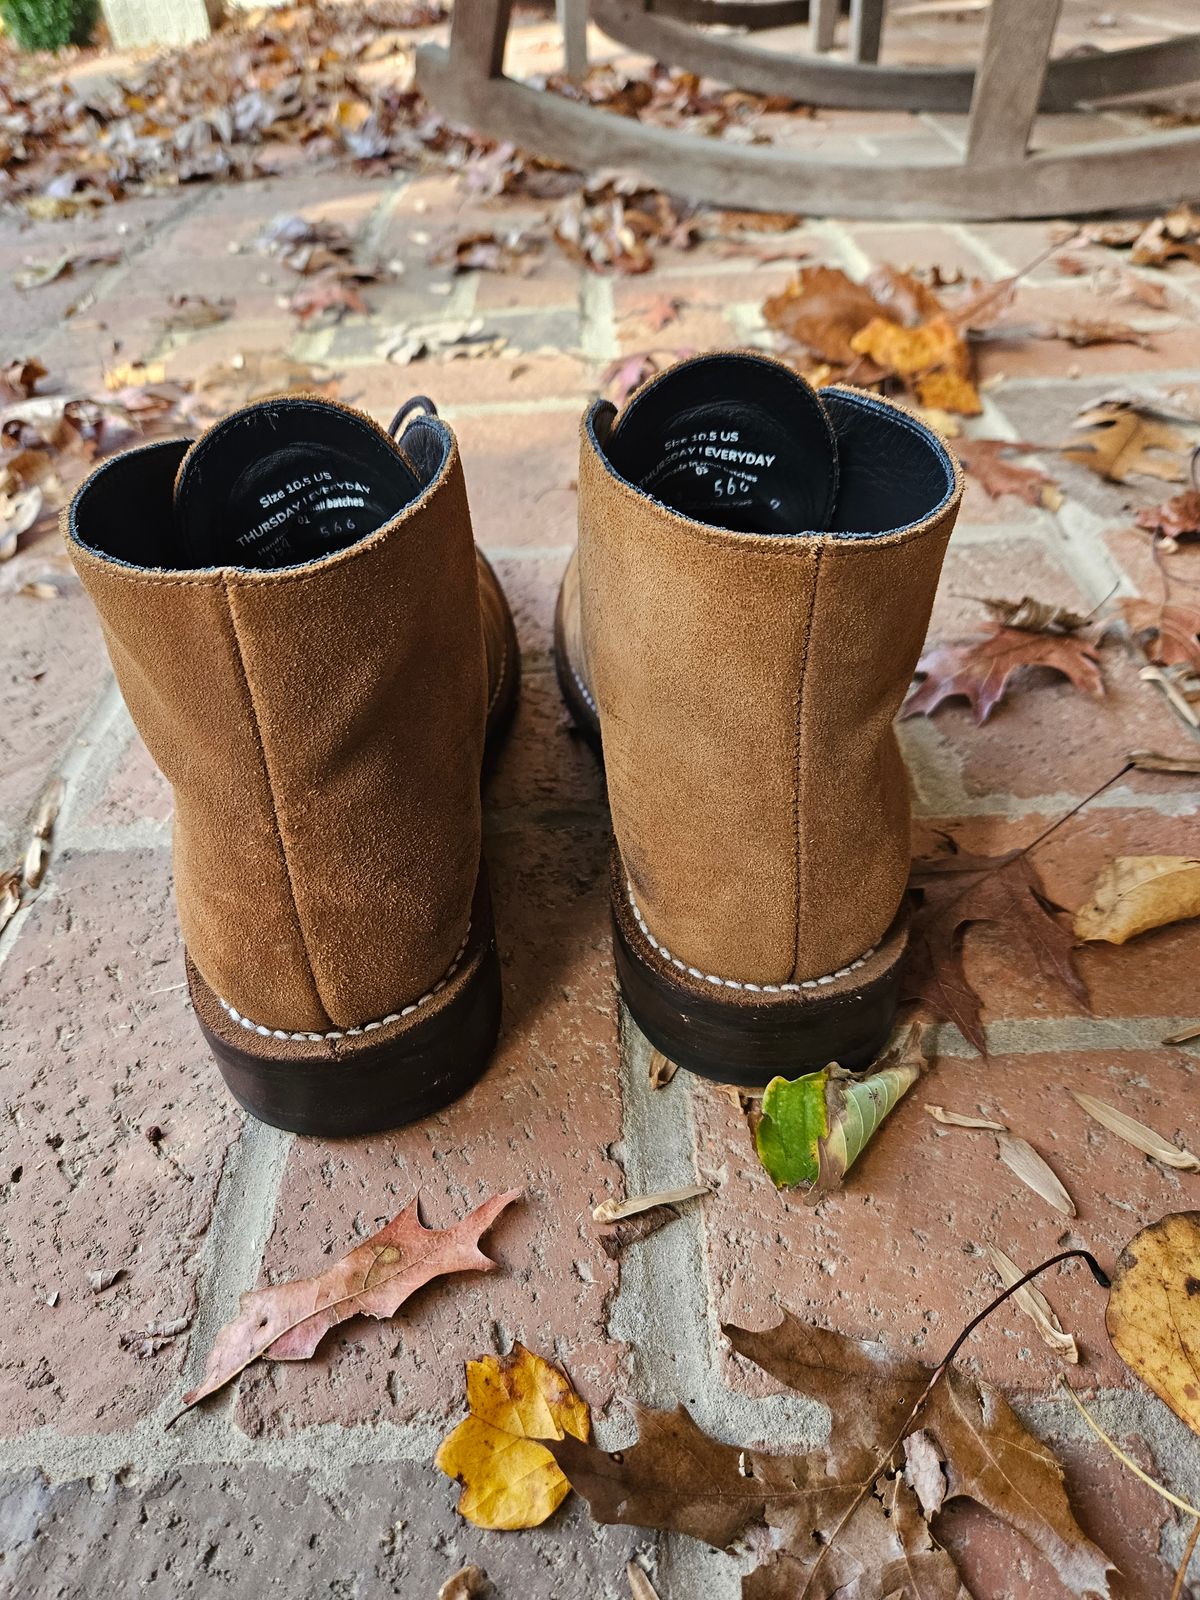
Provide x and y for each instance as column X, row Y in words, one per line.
column 287, row 482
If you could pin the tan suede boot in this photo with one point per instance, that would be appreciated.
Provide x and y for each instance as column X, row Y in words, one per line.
column 754, row 577
column 317, row 658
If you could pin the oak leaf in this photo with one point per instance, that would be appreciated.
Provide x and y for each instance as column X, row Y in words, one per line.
column 1168, row 631
column 1153, row 1316
column 981, row 670
column 844, row 1521
column 958, row 891
column 1119, row 441
column 1134, row 894
column 287, row 1321
column 509, row 1479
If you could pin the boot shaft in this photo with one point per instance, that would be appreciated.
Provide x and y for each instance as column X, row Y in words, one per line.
column 321, row 720
column 747, row 681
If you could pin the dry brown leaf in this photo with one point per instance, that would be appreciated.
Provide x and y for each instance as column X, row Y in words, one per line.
column 1166, row 238
column 923, row 1471
column 33, row 869
column 843, row 1520
column 958, row 890
column 640, row 1587
column 982, row 670
column 1119, row 442
column 10, row 897
column 985, row 460
column 1176, row 518
column 661, row 1071
column 470, row 1583
column 1134, row 894
column 1168, row 632
column 1035, row 1172
column 287, row 1321
column 955, row 1119
column 616, row 1210
column 909, row 352
column 948, row 391
column 325, row 293
column 1153, row 1316
column 18, row 513
column 48, row 808
column 1184, row 1036
column 1036, row 1307
column 822, row 309
column 618, row 1236
column 1085, row 331
column 1137, row 1133
column 1034, row 616
column 1155, row 761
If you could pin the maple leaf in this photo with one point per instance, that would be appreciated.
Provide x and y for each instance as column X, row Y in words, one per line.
column 845, row 1521
column 981, row 669
column 287, row 1321
column 957, row 891
column 1168, row 632
column 509, row 1478
column 985, row 460
column 1174, row 518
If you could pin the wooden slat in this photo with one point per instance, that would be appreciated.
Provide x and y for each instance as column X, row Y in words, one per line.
column 1150, row 170
column 1008, row 85
column 478, row 33
column 866, row 29
column 822, row 25
column 749, row 14
column 1142, row 69
column 573, row 20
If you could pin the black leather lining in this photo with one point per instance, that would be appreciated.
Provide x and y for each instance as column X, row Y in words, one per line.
column 287, row 482
column 742, row 443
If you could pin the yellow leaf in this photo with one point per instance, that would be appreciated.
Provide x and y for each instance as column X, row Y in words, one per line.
column 944, row 391
column 510, row 1481
column 129, row 374
column 1136, row 893
column 1153, row 1316
column 907, row 351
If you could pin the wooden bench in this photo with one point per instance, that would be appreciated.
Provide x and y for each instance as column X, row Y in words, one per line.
column 998, row 173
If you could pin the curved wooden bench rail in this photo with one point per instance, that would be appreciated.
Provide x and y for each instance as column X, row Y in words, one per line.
column 1149, row 170
column 1070, row 81
column 748, row 14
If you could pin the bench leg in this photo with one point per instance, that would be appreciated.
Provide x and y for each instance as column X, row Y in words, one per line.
column 573, row 20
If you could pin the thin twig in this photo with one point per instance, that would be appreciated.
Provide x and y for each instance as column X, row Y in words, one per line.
column 1188, row 1551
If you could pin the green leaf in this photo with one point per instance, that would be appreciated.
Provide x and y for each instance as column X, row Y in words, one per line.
column 813, row 1129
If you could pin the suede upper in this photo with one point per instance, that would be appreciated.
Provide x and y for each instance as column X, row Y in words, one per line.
column 755, row 573
column 309, row 647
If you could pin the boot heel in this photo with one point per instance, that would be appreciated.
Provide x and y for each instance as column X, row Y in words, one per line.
column 747, row 1037
column 366, row 1080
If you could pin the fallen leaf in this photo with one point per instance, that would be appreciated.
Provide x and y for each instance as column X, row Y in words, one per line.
column 618, row 1236
column 44, row 272
column 18, row 379
column 843, row 1520
column 1136, row 893
column 661, row 1071
column 1153, row 1316
column 1036, row 1307
column 1137, row 1133
column 1085, row 331
column 982, row 670
column 192, row 311
column 1154, row 761
column 954, row 1119
column 640, row 1587
column 327, row 292
column 1167, row 238
column 615, row 1210
column 659, row 313
column 1120, row 441
column 812, row 1129
column 1035, row 616
column 470, row 1583
column 923, row 1472
column 956, row 891
column 1035, row 1172
column 18, row 513
column 1176, row 518
column 287, row 1321
column 822, row 309
column 1184, row 1036
column 149, row 1341
column 948, row 391
column 509, row 1479
column 1168, row 632
column 985, row 460
column 104, row 1279
column 623, row 376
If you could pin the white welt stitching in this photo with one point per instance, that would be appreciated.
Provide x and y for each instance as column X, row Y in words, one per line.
column 732, row 983
column 366, row 1027
column 583, row 689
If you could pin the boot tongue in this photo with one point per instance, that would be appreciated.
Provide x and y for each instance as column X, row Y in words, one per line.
column 738, row 441
column 284, row 482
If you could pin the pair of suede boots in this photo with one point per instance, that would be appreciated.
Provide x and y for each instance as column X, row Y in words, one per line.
column 321, row 663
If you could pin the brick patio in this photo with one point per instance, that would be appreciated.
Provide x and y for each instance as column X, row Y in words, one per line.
column 99, row 1045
